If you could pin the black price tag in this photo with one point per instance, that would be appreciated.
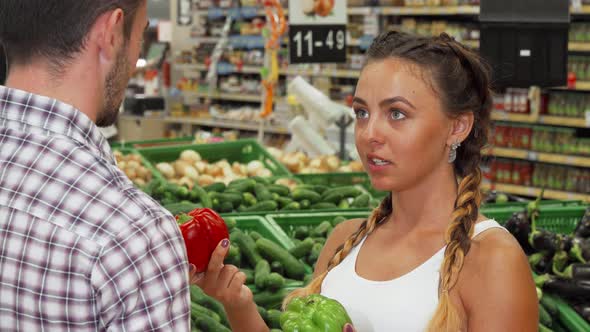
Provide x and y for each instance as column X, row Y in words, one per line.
column 317, row 43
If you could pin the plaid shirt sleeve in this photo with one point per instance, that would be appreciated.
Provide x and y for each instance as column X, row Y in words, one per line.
column 141, row 279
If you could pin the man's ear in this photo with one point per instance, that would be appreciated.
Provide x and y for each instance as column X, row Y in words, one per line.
column 460, row 128
column 109, row 33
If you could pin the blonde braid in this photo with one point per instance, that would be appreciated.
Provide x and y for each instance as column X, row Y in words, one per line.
column 458, row 239
column 367, row 227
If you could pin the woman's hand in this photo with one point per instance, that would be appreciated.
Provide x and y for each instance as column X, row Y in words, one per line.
column 225, row 283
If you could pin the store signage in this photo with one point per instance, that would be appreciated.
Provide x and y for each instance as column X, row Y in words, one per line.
column 317, row 31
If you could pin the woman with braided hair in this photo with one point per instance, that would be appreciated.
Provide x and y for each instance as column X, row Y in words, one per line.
column 426, row 259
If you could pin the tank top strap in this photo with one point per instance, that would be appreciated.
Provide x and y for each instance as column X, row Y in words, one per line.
column 483, row 226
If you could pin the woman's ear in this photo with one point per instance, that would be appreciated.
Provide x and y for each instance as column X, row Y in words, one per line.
column 461, row 127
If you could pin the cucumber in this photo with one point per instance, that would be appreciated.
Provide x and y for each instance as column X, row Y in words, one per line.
column 255, row 235
column 263, row 313
column 344, row 204
column 277, row 267
column 321, row 240
column 242, row 185
column 305, row 204
column 198, row 296
column 293, row 267
column 249, row 275
column 271, row 300
column 293, row 206
column 301, row 194
column 230, row 223
column 302, row 249
column 249, row 199
column 198, row 310
column 544, row 316
column 543, row 328
column 275, row 196
column 338, row 220
column 209, row 324
column 226, row 207
column 215, row 187
column 315, row 253
column 374, row 203
column 234, row 198
column 336, row 195
column 361, row 201
column 279, row 189
column 322, row 229
column 260, row 179
column 262, row 206
column 262, row 194
column 283, row 201
column 233, row 255
column 203, row 196
column 261, row 273
column 274, row 281
column 301, row 232
column 274, row 318
column 324, row 206
column 247, row 246
column 178, row 208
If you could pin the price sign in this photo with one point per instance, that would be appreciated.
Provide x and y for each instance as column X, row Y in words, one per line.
column 317, row 31
column 317, row 44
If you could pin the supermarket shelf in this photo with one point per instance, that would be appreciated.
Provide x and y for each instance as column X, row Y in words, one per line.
column 208, row 40
column 434, row 10
column 580, row 86
column 341, row 73
column 225, row 124
column 531, row 191
column 539, row 156
column 224, row 96
column 543, row 119
column 579, row 46
column 584, row 10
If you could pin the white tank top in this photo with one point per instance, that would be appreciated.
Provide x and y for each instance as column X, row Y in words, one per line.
column 406, row 303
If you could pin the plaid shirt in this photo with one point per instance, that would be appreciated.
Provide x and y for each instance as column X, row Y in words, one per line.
column 81, row 249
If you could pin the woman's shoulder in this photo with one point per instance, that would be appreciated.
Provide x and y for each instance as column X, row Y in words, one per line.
column 496, row 278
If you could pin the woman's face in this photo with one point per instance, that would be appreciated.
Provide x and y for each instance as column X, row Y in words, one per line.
column 401, row 130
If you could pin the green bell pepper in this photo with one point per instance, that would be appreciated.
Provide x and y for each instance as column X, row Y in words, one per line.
column 314, row 313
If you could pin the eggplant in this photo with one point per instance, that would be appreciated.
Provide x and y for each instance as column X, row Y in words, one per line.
column 559, row 262
column 567, row 241
column 541, row 262
column 543, row 240
column 568, row 288
column 519, row 226
column 580, row 250
column 581, row 271
column 583, row 228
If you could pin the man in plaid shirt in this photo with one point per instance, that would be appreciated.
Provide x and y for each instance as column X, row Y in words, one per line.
column 81, row 249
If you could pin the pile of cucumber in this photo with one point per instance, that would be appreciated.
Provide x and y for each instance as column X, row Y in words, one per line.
column 257, row 194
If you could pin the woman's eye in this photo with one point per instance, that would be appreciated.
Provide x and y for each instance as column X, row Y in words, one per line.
column 361, row 114
column 397, row 115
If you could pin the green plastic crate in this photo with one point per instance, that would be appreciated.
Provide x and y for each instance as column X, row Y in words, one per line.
column 287, row 221
column 242, row 151
column 562, row 220
column 263, row 226
column 153, row 142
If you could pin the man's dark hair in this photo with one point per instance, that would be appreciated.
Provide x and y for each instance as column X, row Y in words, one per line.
column 54, row 30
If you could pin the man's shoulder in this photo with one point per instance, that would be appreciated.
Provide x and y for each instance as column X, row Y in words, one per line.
column 67, row 183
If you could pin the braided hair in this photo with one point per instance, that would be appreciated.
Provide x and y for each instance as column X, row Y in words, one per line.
column 462, row 81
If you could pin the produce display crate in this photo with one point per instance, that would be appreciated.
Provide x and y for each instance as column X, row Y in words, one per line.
column 242, row 151
column 562, row 220
column 263, row 226
column 286, row 221
column 153, row 142
column 144, row 162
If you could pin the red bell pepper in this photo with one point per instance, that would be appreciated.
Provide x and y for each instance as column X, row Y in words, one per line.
column 202, row 230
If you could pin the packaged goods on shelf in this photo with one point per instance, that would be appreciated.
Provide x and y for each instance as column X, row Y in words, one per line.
column 569, row 104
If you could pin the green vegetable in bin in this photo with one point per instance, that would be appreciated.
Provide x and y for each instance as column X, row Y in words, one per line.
column 314, row 313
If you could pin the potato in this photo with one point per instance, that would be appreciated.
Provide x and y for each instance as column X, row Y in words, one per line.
column 201, row 166
column 133, row 164
column 187, row 182
column 332, row 162
column 142, row 172
column 205, row 180
column 264, row 173
column 131, row 173
column 254, row 166
column 139, row 182
column 166, row 169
